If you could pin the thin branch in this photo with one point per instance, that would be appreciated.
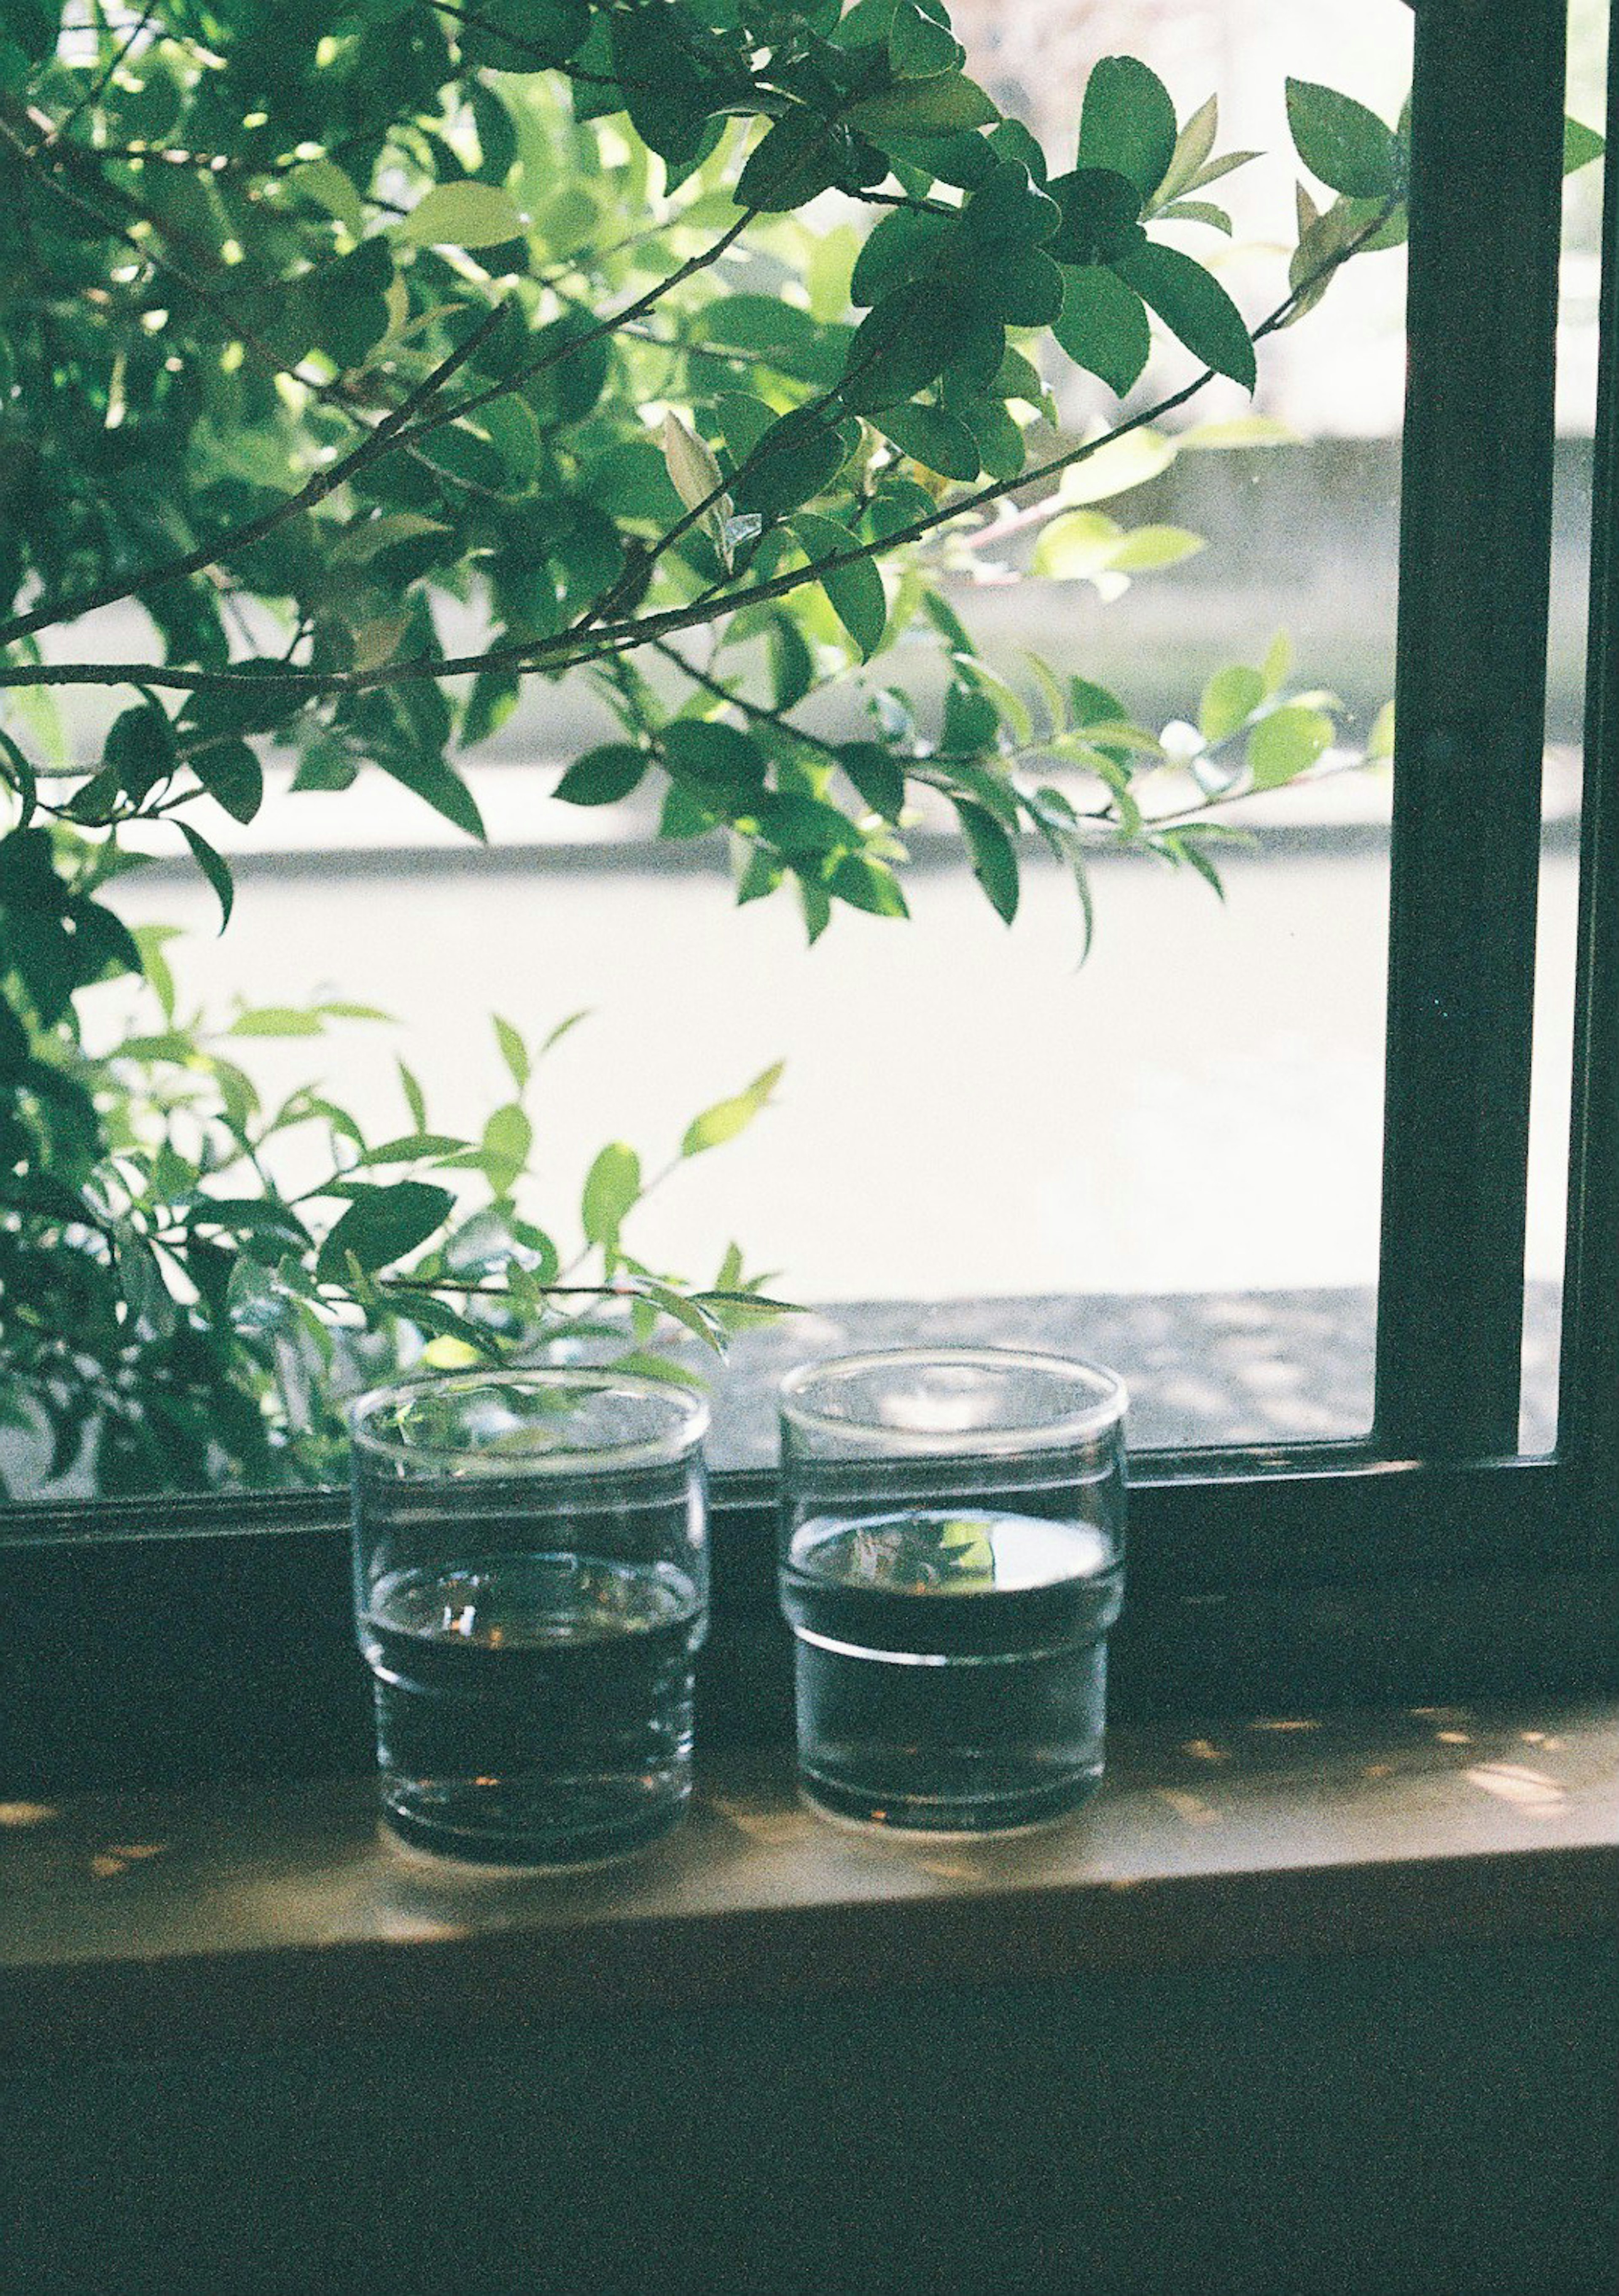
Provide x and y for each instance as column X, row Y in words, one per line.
column 567, row 650
column 387, row 434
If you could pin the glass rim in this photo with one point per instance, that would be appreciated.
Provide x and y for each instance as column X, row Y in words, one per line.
column 1094, row 1417
column 679, row 1440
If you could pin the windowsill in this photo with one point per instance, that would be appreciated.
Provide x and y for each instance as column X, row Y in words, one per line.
column 274, row 1916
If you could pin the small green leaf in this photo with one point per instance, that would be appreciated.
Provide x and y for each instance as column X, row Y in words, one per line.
column 441, row 786
column 865, row 884
column 1194, row 306
column 1127, row 123
column 727, row 1117
column 383, row 1224
column 1103, row 325
column 694, row 472
column 856, row 590
column 1276, row 663
column 1193, row 146
column 1147, row 548
column 233, row 777
column 508, row 1138
column 277, row 1021
column 512, row 1051
column 1380, row 740
column 1230, row 696
column 793, row 460
column 941, row 105
column 994, row 856
column 611, row 1186
column 1284, row 744
column 930, row 436
column 602, row 776
column 410, row 1147
column 1341, row 141
column 213, row 867
column 879, row 777
column 461, row 215
column 140, row 749
column 724, row 766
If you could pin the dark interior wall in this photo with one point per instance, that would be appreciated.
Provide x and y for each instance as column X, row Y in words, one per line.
column 1444, row 2124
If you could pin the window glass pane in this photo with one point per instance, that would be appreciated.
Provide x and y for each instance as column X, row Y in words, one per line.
column 1178, row 1140
column 1580, row 285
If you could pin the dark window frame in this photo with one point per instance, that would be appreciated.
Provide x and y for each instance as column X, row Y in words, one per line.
column 174, row 1637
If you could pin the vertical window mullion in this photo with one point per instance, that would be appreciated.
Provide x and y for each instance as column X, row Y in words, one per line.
column 1474, row 574
column 1588, row 1432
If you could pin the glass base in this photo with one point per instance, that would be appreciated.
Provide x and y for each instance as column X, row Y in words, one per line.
column 929, row 1817
column 551, row 1852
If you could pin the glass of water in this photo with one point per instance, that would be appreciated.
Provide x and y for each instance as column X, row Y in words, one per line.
column 951, row 1557
column 531, row 1588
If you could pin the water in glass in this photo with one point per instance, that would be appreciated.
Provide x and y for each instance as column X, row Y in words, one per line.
column 951, row 1664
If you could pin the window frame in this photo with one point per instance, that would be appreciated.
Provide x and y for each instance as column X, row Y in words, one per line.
column 154, row 1639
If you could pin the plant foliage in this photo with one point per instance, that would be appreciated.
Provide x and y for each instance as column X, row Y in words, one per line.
column 319, row 319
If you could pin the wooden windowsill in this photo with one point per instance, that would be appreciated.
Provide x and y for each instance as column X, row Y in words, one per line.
column 143, row 1923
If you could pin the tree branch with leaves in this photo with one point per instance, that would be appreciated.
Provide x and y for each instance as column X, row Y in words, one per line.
column 325, row 320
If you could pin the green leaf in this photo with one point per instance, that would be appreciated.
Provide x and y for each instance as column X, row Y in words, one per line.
column 865, row 884
column 213, row 867
column 994, row 856
column 512, row 1051
column 18, row 769
column 441, row 786
column 140, row 749
column 1127, row 123
column 410, row 1147
column 1075, row 547
column 1581, row 146
column 611, row 1187
column 941, row 105
column 879, row 777
column 1288, row 742
column 1007, row 205
column 796, row 459
column 383, row 1224
column 743, row 421
column 856, row 590
column 1341, row 141
column 508, row 1138
column 1023, row 287
column 907, row 244
column 905, row 341
column 604, row 776
column 724, row 767
column 415, row 1099
column 1381, row 739
column 799, row 158
column 1278, row 662
column 277, row 1021
column 541, row 33
column 563, row 1029
column 1193, row 146
column 1148, row 548
column 1194, row 306
column 918, row 45
column 694, row 473
column 461, row 215
column 1230, row 696
column 930, row 436
column 727, row 1117
column 233, row 778
column 1103, row 326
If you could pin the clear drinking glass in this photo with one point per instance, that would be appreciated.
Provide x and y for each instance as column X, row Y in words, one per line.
column 951, row 1557
column 531, row 1586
